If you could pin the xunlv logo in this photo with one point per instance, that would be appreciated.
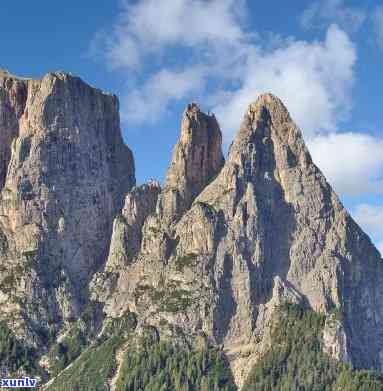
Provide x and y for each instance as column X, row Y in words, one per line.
column 18, row 383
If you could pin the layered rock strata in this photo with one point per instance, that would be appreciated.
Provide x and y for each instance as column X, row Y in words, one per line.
column 64, row 173
column 266, row 228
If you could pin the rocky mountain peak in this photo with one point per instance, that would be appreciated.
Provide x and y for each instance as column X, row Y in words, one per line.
column 197, row 158
column 207, row 260
column 267, row 229
column 64, row 174
column 268, row 129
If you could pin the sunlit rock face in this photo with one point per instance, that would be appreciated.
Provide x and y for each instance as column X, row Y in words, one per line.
column 224, row 249
column 208, row 257
column 197, row 158
column 64, row 173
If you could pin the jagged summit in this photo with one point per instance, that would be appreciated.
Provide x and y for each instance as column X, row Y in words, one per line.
column 268, row 118
column 264, row 229
column 205, row 260
column 197, row 158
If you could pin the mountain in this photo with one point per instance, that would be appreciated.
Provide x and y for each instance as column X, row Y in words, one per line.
column 193, row 282
column 66, row 171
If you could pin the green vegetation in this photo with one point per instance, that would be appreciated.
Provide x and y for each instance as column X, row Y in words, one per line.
column 187, row 260
column 3, row 243
column 120, row 326
column 74, row 343
column 168, row 298
column 165, row 367
column 350, row 380
column 296, row 362
column 91, row 370
column 64, row 352
column 146, row 365
column 14, row 357
column 8, row 283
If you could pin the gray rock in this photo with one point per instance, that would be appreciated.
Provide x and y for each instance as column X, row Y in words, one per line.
column 67, row 173
column 268, row 229
column 140, row 202
column 335, row 340
column 197, row 158
column 210, row 257
column 13, row 96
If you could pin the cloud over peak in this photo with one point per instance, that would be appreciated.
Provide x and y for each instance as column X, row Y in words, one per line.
column 173, row 51
column 226, row 64
column 314, row 79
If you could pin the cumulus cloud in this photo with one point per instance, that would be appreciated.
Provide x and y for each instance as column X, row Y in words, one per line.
column 352, row 162
column 314, row 80
column 377, row 19
column 155, row 95
column 370, row 218
column 320, row 14
column 226, row 64
column 149, row 27
column 176, row 50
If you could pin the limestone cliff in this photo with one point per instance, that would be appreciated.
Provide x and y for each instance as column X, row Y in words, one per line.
column 204, row 260
column 197, row 158
column 13, row 94
column 267, row 229
column 64, row 173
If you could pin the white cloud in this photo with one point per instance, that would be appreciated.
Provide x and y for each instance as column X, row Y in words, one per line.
column 320, row 14
column 148, row 27
column 377, row 18
column 379, row 246
column 217, row 50
column 175, row 50
column 146, row 42
column 370, row 218
column 352, row 162
column 314, row 80
column 150, row 100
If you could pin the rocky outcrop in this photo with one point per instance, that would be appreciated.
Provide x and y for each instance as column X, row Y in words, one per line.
column 197, row 158
column 209, row 258
column 68, row 171
column 267, row 229
column 335, row 340
column 140, row 202
column 144, row 232
column 13, row 96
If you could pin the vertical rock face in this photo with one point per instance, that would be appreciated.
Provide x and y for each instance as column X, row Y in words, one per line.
column 140, row 202
column 66, row 179
column 335, row 340
column 283, row 219
column 142, row 231
column 197, row 158
column 211, row 256
column 267, row 229
column 13, row 96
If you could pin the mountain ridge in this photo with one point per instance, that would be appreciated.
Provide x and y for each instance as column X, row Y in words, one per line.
column 207, row 259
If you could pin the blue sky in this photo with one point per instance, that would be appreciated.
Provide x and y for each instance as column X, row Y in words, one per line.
column 322, row 58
